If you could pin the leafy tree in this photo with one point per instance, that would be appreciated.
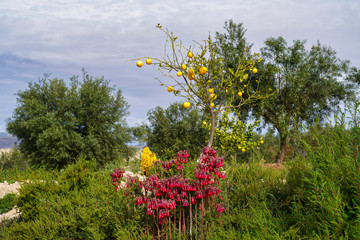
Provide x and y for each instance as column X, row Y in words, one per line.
column 232, row 45
column 175, row 128
column 56, row 123
column 203, row 80
column 307, row 82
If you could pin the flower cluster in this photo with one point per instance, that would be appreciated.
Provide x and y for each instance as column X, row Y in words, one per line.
column 181, row 158
column 116, row 175
column 148, row 159
column 209, row 165
column 163, row 195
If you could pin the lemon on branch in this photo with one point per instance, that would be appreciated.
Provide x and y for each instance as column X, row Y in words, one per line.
column 148, row 61
column 139, row 63
column 191, row 71
column 203, row 70
column 186, row 104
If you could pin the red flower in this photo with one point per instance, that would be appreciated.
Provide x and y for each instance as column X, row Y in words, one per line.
column 220, row 208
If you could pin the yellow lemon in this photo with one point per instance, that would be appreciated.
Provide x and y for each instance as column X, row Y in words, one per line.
column 170, row 89
column 139, row 63
column 191, row 71
column 210, row 90
column 239, row 94
column 191, row 77
column 213, row 96
column 183, row 66
column 243, row 150
column 179, row 74
column 212, row 104
column 148, row 61
column 190, row 54
column 261, row 141
column 203, row 70
column 254, row 70
column 186, row 104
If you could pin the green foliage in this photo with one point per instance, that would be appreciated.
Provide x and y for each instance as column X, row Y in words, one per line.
column 316, row 196
column 232, row 45
column 268, row 150
column 78, row 203
column 175, row 128
column 13, row 160
column 56, row 123
column 203, row 79
column 234, row 136
column 332, row 187
column 7, row 203
column 307, row 82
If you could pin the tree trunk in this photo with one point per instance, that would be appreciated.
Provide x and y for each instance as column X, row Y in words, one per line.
column 280, row 157
column 212, row 131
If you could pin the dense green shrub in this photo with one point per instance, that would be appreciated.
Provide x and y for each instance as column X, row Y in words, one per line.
column 328, row 203
column 7, row 203
column 13, row 159
column 78, row 203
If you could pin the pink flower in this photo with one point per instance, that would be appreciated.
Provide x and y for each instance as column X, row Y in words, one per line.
column 220, row 208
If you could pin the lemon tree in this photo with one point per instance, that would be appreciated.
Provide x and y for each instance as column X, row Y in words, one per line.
column 197, row 74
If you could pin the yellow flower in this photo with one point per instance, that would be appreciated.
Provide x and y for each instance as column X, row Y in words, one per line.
column 148, row 159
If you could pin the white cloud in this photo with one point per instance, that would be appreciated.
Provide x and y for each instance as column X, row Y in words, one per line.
column 62, row 36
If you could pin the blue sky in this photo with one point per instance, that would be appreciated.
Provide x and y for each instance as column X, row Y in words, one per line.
column 62, row 37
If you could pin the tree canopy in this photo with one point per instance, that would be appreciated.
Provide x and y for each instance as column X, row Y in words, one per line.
column 175, row 128
column 199, row 75
column 310, row 83
column 56, row 123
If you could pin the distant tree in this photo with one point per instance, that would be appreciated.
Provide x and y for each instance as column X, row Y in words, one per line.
column 56, row 123
column 175, row 128
column 310, row 83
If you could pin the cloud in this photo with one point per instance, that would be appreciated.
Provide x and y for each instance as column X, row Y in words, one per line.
column 61, row 37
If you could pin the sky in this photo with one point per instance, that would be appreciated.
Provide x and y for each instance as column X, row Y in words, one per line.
column 60, row 37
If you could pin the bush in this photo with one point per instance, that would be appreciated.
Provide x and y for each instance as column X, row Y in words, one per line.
column 78, row 203
column 7, row 203
column 13, row 160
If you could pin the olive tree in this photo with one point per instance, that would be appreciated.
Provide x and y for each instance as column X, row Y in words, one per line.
column 56, row 123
